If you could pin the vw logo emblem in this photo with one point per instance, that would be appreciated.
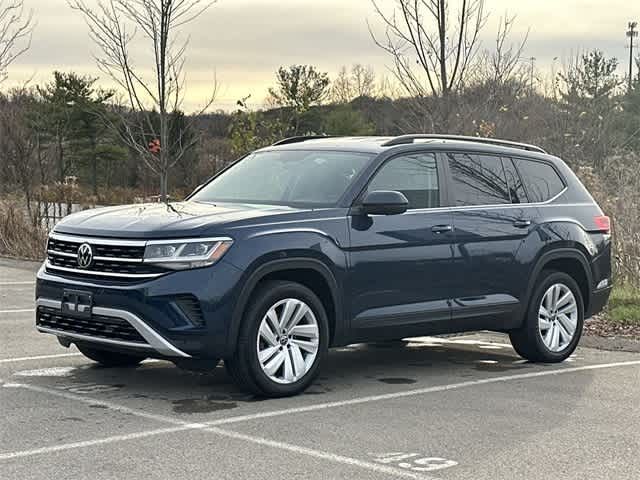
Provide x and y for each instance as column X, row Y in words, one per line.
column 85, row 255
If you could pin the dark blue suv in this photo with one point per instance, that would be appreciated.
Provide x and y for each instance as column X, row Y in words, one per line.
column 319, row 242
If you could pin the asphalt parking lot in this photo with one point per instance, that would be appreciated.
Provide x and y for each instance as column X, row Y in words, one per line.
column 458, row 408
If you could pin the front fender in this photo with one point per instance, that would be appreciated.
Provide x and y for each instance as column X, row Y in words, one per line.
column 287, row 249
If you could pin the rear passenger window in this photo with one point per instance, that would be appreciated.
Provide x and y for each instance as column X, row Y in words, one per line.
column 416, row 176
column 540, row 180
column 478, row 179
column 516, row 188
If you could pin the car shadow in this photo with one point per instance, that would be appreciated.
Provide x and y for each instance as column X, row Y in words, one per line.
column 398, row 363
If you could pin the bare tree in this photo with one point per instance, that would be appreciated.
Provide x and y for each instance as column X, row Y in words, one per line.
column 342, row 89
column 150, row 126
column 359, row 81
column 19, row 143
column 432, row 47
column 364, row 80
column 504, row 63
column 16, row 26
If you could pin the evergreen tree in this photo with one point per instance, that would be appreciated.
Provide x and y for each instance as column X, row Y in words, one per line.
column 72, row 116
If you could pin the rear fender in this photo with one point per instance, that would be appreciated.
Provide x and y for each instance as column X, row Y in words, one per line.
column 558, row 253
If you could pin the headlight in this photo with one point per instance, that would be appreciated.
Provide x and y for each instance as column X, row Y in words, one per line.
column 183, row 254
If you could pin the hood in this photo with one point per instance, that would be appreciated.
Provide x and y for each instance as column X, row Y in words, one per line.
column 159, row 220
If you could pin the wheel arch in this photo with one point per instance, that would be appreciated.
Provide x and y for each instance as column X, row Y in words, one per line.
column 310, row 272
column 569, row 260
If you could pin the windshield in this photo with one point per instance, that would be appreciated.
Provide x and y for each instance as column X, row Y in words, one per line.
column 315, row 178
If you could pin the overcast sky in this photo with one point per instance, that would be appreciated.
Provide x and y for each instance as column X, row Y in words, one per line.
column 243, row 42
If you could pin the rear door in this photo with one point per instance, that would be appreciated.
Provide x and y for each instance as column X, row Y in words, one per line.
column 400, row 265
column 491, row 218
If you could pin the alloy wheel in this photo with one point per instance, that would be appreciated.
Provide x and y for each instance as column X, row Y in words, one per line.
column 558, row 317
column 288, row 341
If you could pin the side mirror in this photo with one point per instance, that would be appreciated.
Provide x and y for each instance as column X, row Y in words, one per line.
column 384, row 202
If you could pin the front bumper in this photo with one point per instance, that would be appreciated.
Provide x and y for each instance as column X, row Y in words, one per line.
column 150, row 308
column 153, row 341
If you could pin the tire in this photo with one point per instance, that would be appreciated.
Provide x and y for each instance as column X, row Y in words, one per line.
column 545, row 335
column 245, row 368
column 110, row 359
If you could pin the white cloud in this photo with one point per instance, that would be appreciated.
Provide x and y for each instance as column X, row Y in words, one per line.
column 244, row 41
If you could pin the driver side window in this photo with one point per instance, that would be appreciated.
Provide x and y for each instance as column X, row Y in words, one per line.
column 415, row 175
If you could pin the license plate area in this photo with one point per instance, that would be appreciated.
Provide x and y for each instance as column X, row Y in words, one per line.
column 77, row 303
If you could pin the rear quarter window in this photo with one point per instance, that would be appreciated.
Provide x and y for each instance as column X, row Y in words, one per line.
column 516, row 187
column 541, row 181
column 478, row 179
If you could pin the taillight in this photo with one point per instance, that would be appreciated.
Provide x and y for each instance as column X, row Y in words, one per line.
column 603, row 223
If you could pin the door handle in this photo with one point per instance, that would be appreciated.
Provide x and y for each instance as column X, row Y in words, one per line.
column 521, row 223
column 441, row 228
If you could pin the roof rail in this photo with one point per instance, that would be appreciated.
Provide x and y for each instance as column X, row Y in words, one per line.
column 406, row 139
column 300, row 138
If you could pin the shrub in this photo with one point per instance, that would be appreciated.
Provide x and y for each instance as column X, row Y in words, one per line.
column 617, row 190
column 19, row 237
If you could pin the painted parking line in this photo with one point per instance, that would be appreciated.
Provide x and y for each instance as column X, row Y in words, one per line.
column 184, row 426
column 9, row 284
column 229, row 434
column 106, row 404
column 443, row 341
column 89, row 443
column 38, row 357
column 420, row 391
column 181, row 425
column 19, row 310
column 331, row 457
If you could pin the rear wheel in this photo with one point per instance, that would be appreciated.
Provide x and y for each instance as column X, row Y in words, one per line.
column 110, row 359
column 282, row 342
column 554, row 320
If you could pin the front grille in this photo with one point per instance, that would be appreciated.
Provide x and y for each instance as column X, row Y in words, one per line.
column 112, row 251
column 98, row 326
column 121, row 259
column 105, row 266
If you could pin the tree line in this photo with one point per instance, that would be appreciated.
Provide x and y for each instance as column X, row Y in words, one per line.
column 70, row 127
column 70, row 140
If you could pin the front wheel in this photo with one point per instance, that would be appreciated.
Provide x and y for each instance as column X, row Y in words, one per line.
column 554, row 320
column 283, row 339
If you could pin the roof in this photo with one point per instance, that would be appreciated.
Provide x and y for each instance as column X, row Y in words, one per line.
column 374, row 144
column 359, row 144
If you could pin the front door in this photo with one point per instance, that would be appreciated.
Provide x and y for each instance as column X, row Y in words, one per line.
column 400, row 265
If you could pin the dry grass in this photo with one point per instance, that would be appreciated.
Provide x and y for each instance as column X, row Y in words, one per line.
column 18, row 237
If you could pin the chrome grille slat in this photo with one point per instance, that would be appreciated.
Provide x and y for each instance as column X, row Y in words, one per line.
column 105, row 259
column 98, row 241
column 122, row 260
column 61, row 253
